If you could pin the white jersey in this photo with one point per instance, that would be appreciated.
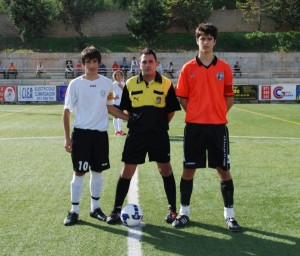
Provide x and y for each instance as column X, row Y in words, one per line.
column 118, row 91
column 88, row 100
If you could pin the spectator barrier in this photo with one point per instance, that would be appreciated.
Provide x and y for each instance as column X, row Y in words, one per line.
column 50, row 88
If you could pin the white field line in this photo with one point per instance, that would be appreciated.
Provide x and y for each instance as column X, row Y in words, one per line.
column 264, row 137
column 134, row 233
column 20, row 111
column 231, row 136
column 33, row 138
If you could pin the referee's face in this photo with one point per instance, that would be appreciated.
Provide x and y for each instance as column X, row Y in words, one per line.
column 148, row 66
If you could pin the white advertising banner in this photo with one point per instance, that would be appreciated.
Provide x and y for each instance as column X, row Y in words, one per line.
column 37, row 93
column 277, row 92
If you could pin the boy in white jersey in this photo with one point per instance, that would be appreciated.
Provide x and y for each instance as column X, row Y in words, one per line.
column 90, row 97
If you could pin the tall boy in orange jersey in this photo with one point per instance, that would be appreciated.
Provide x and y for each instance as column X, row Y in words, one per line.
column 206, row 94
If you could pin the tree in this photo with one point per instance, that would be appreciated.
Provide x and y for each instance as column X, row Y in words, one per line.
column 147, row 19
column 31, row 17
column 189, row 13
column 123, row 3
column 76, row 11
column 221, row 4
column 253, row 11
column 286, row 12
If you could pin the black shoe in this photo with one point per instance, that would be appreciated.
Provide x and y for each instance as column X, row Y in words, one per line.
column 232, row 225
column 98, row 214
column 114, row 217
column 181, row 221
column 71, row 219
column 171, row 216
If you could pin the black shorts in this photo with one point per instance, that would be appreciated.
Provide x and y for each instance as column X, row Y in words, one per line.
column 137, row 145
column 202, row 139
column 90, row 150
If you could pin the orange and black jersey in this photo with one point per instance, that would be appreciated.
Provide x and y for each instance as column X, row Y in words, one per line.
column 206, row 88
column 149, row 103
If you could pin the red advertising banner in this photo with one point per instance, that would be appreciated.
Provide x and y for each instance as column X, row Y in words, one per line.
column 8, row 93
column 265, row 92
column 277, row 92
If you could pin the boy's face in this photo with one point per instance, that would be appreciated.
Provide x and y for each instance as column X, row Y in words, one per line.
column 206, row 43
column 91, row 66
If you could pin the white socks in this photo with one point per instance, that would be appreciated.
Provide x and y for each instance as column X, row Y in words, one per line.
column 228, row 213
column 185, row 210
column 77, row 183
column 96, row 181
column 117, row 124
column 76, row 191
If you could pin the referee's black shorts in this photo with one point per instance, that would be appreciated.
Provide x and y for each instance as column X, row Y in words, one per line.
column 137, row 145
column 206, row 141
column 90, row 150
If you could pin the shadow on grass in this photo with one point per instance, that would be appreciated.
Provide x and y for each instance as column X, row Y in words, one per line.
column 216, row 241
column 247, row 242
column 176, row 138
column 105, row 227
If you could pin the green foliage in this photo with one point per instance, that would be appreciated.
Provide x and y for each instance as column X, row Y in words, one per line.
column 2, row 6
column 31, row 17
column 148, row 18
column 226, row 42
column 189, row 14
column 253, row 10
column 224, row 4
column 123, row 4
column 258, row 41
column 285, row 12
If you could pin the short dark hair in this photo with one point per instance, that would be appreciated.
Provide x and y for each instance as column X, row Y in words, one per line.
column 206, row 29
column 148, row 51
column 90, row 52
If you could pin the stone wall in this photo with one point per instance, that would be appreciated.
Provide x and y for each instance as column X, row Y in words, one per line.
column 107, row 23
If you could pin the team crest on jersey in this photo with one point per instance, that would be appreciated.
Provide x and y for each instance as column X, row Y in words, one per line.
column 192, row 74
column 220, row 75
column 158, row 100
column 103, row 93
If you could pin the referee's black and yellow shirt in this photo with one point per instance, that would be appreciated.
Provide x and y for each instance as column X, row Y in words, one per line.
column 149, row 103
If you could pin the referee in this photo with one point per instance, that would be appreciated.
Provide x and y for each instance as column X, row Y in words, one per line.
column 150, row 100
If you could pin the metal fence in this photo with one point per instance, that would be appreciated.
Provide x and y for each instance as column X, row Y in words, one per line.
column 61, row 76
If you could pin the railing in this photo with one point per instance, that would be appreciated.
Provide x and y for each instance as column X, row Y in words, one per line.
column 268, row 77
column 60, row 76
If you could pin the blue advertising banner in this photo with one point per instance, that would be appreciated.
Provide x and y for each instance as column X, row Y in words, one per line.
column 37, row 93
column 298, row 92
column 61, row 92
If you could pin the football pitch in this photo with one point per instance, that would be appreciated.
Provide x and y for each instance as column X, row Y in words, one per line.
column 35, row 175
